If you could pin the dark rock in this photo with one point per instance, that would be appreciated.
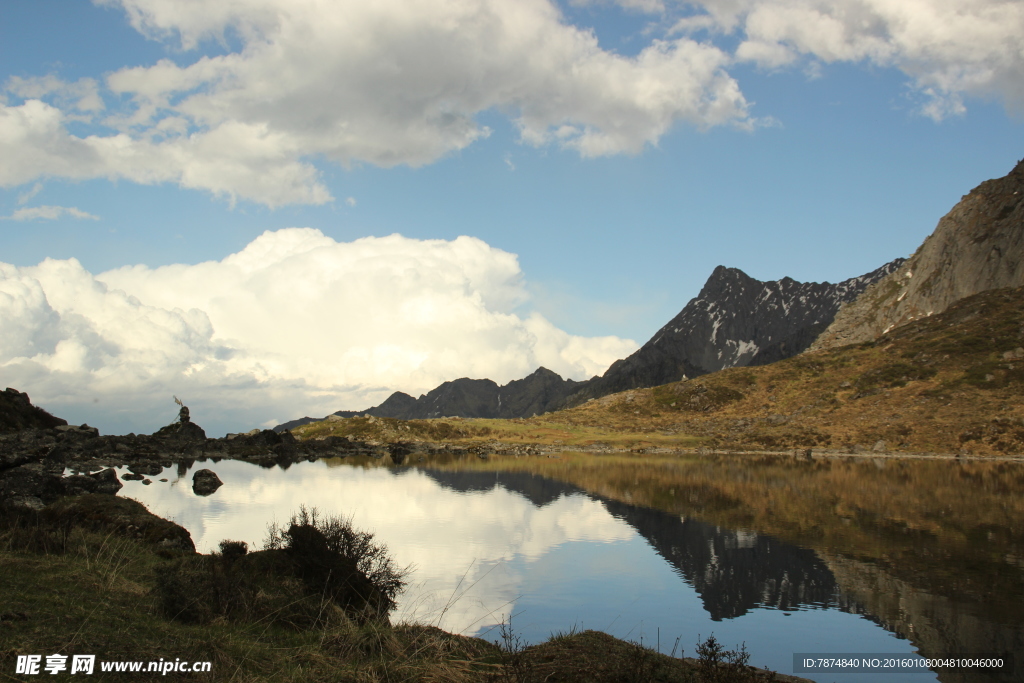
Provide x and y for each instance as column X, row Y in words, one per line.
column 191, row 432
column 79, row 432
column 205, row 482
column 30, row 481
column 184, row 432
column 107, row 481
column 132, row 477
column 77, row 484
column 17, row 413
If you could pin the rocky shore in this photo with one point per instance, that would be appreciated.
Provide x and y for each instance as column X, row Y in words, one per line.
column 38, row 450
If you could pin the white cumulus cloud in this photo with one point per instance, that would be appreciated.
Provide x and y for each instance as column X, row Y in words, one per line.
column 386, row 83
column 295, row 323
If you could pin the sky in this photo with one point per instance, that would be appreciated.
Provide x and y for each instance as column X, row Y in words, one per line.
column 278, row 208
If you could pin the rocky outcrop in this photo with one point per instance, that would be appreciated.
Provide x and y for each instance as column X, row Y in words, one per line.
column 33, row 461
column 17, row 412
column 736, row 320
column 977, row 246
column 120, row 515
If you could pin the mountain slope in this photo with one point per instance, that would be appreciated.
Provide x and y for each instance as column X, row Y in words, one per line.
column 948, row 383
column 977, row 246
column 734, row 321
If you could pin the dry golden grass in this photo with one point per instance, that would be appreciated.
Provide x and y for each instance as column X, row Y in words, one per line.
column 951, row 383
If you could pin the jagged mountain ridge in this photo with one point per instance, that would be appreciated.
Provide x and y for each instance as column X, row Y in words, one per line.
column 977, row 246
column 538, row 393
column 734, row 321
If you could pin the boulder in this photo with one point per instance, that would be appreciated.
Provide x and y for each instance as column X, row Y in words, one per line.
column 205, row 482
column 107, row 481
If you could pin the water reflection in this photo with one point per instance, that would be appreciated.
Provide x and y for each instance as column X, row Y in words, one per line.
column 783, row 554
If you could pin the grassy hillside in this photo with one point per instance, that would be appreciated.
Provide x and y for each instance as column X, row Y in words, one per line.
column 950, row 383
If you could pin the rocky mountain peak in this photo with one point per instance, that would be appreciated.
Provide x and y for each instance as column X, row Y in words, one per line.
column 735, row 320
column 977, row 246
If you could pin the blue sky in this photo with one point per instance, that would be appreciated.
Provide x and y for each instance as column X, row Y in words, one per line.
column 604, row 157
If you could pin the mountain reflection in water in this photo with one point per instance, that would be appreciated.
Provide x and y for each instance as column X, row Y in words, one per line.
column 929, row 551
column 732, row 571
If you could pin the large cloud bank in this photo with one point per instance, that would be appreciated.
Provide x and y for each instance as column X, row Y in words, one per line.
column 295, row 323
column 389, row 82
column 402, row 82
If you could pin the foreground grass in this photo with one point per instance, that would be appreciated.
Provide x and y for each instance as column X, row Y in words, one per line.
column 76, row 591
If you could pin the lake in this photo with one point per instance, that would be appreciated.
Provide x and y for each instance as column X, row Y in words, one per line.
column 787, row 555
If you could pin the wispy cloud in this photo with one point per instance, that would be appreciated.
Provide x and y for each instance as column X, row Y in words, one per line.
column 48, row 213
column 27, row 195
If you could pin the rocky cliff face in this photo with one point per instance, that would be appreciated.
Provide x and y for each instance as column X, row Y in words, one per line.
column 977, row 246
column 734, row 321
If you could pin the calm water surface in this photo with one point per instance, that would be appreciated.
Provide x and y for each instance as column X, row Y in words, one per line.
column 830, row 556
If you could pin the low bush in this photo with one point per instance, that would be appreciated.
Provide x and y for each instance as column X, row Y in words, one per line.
column 316, row 572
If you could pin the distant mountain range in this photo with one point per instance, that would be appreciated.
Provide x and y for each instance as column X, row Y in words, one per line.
column 737, row 320
column 734, row 321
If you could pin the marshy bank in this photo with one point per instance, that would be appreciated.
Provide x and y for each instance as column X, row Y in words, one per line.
column 100, row 575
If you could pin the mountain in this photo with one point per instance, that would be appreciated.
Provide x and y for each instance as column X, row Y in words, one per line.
column 977, row 246
column 738, row 321
column 537, row 393
column 947, row 383
column 735, row 321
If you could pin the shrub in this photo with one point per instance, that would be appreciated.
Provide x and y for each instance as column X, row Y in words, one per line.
column 317, row 572
column 372, row 559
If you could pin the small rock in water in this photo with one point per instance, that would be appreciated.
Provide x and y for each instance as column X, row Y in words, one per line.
column 205, row 482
